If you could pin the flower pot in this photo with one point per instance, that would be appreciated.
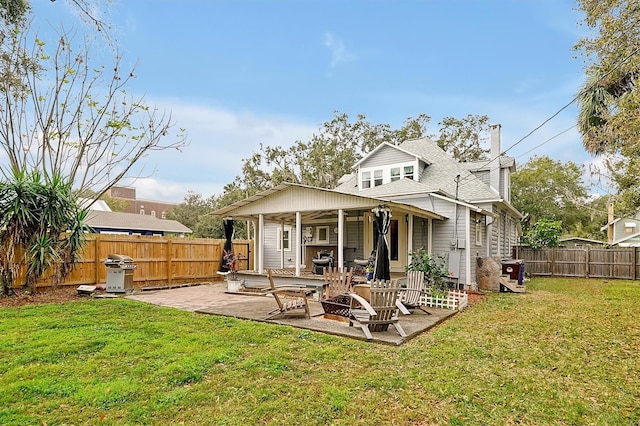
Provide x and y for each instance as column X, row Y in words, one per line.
column 234, row 285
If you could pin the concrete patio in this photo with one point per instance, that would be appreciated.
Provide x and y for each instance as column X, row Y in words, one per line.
column 213, row 299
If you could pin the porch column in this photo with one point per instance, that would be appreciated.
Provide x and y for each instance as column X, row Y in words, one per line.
column 261, row 244
column 341, row 239
column 255, row 245
column 430, row 236
column 467, row 255
column 282, row 244
column 409, row 238
column 298, row 243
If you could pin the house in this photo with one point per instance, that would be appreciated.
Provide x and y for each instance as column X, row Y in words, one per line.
column 578, row 242
column 138, row 206
column 108, row 222
column 459, row 211
column 623, row 231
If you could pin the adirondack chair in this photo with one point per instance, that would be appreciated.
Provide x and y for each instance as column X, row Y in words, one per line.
column 379, row 312
column 336, row 283
column 410, row 296
column 291, row 300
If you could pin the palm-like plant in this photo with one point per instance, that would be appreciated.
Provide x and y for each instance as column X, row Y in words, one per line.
column 41, row 226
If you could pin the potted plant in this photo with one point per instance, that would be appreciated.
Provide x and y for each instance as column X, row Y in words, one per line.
column 230, row 261
column 369, row 271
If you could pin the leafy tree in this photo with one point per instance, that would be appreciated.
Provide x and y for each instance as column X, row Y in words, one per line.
column 65, row 123
column 73, row 118
column 543, row 233
column 549, row 189
column 463, row 138
column 35, row 211
column 610, row 98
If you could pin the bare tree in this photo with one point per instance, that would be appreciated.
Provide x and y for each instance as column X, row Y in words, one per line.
column 61, row 114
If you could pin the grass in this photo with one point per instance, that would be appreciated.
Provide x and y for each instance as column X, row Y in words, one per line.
column 566, row 352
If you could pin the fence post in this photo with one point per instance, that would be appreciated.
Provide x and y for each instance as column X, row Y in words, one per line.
column 169, row 257
column 587, row 258
column 96, row 261
column 634, row 263
column 553, row 262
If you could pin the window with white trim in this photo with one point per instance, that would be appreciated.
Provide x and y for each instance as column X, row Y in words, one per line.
column 366, row 180
column 377, row 177
column 284, row 239
column 153, row 213
column 395, row 173
column 629, row 227
column 322, row 234
column 478, row 232
column 408, row 172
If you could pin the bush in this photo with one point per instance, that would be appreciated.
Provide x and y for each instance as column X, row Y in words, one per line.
column 434, row 268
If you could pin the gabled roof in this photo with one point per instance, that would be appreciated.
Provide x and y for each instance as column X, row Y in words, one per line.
column 439, row 176
column 134, row 222
column 283, row 201
column 396, row 147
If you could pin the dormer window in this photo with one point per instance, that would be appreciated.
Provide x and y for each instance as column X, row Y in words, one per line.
column 395, row 173
column 377, row 177
column 408, row 172
column 366, row 180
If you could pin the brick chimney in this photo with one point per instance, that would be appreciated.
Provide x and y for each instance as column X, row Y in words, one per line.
column 494, row 170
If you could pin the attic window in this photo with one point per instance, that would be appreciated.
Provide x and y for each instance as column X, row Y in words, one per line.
column 408, row 172
column 366, row 180
column 629, row 227
column 377, row 177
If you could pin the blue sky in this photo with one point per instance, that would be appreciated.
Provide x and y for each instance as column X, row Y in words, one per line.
column 237, row 73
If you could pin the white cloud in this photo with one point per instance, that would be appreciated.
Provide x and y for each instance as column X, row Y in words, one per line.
column 339, row 52
column 219, row 140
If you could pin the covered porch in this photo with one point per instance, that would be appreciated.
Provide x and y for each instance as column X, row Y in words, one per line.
column 293, row 224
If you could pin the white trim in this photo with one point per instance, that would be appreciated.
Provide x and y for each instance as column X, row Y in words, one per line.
column 298, row 242
column 317, row 237
column 279, row 238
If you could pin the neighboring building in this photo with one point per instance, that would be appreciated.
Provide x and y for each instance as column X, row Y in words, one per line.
column 107, row 222
column 157, row 209
column 623, row 231
column 578, row 242
column 456, row 210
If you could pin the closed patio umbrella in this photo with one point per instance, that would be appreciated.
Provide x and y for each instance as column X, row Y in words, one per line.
column 382, row 220
column 227, row 224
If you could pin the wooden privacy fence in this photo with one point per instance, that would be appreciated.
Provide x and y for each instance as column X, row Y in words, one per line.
column 617, row 262
column 160, row 261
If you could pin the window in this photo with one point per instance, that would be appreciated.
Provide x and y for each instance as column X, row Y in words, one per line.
column 284, row 239
column 142, row 211
column 377, row 177
column 408, row 172
column 395, row 173
column 478, row 232
column 366, row 180
column 629, row 228
column 153, row 213
column 322, row 234
column 163, row 215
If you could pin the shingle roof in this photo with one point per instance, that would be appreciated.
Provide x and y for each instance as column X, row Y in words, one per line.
column 440, row 176
column 134, row 222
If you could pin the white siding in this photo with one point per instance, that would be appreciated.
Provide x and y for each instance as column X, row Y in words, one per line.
column 385, row 156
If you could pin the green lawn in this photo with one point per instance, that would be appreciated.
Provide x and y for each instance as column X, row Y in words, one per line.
column 566, row 352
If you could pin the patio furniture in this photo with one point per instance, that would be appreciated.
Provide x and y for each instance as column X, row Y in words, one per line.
column 291, row 300
column 323, row 261
column 411, row 295
column 337, row 286
column 380, row 312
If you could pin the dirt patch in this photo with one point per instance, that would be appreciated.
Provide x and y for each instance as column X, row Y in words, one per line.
column 40, row 297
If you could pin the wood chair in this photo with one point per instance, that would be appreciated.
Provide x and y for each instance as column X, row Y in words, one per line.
column 336, row 283
column 291, row 300
column 410, row 296
column 381, row 310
